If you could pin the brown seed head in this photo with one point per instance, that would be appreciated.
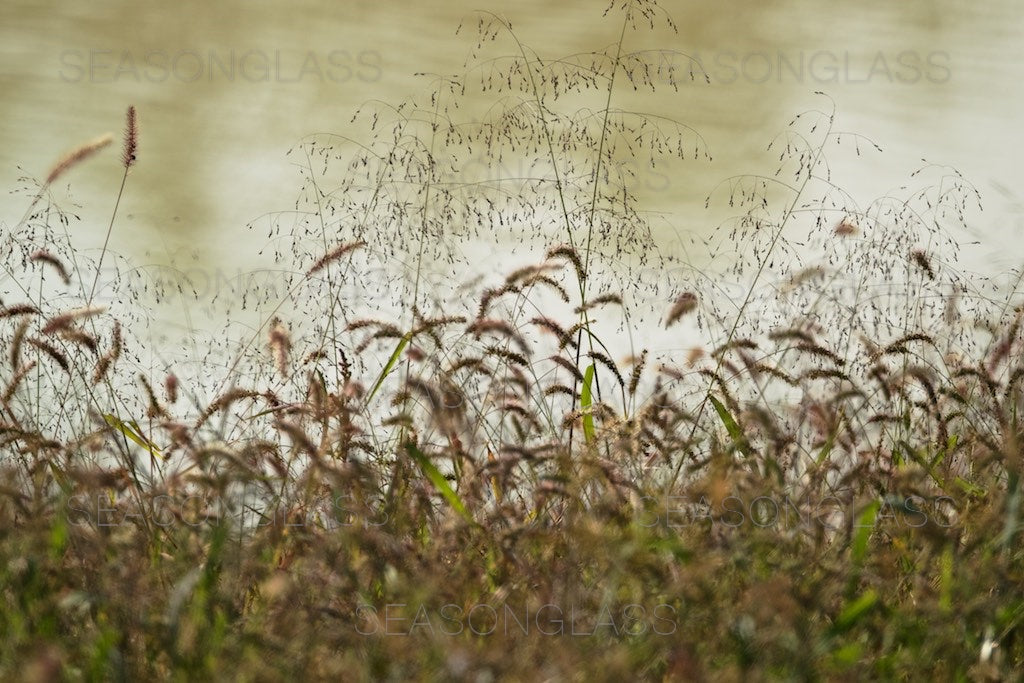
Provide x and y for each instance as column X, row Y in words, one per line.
column 131, row 138
column 76, row 155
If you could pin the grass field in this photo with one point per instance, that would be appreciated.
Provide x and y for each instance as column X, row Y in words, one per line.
column 390, row 480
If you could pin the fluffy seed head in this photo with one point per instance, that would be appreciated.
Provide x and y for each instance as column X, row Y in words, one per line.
column 686, row 303
column 78, row 154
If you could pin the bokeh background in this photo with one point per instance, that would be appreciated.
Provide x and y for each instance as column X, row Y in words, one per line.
column 224, row 90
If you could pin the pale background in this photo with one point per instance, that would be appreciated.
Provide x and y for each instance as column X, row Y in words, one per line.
column 212, row 153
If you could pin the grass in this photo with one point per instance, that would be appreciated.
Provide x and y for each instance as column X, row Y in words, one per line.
column 391, row 479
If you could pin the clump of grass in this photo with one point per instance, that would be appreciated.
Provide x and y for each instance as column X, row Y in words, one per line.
column 443, row 486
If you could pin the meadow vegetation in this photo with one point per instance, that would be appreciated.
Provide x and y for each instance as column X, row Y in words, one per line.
column 403, row 477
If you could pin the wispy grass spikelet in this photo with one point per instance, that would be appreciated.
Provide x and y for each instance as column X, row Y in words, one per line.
column 131, row 144
column 224, row 401
column 549, row 282
column 77, row 335
column 510, row 356
column 560, row 389
column 298, row 437
column 735, row 344
column 491, row 294
column 823, row 373
column 154, row 409
column 526, row 273
column 820, row 351
column 791, row 333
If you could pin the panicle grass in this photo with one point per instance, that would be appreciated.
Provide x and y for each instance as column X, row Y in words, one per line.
column 833, row 491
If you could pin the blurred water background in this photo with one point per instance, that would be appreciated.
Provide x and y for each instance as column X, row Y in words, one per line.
column 224, row 90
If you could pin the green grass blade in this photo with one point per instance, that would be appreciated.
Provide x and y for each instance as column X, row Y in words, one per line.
column 830, row 442
column 865, row 525
column 131, row 430
column 970, row 488
column 853, row 612
column 439, row 482
column 946, row 579
column 586, row 400
column 60, row 478
column 731, row 426
column 390, row 365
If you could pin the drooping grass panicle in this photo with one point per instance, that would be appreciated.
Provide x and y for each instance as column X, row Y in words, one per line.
column 51, row 351
column 564, row 336
column 66, row 319
column 601, row 300
column 16, row 342
column 16, row 380
column 154, row 408
column 570, row 366
column 333, row 255
column 111, row 357
column 76, row 156
column 635, row 373
column 18, row 309
column 77, row 335
column 46, row 257
column 568, row 253
column 604, row 360
column 684, row 303
column 227, row 398
column 500, row 327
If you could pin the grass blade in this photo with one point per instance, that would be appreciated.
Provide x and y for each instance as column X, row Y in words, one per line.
column 440, row 483
column 131, row 430
column 390, row 365
column 865, row 525
column 853, row 612
column 731, row 426
column 586, row 400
